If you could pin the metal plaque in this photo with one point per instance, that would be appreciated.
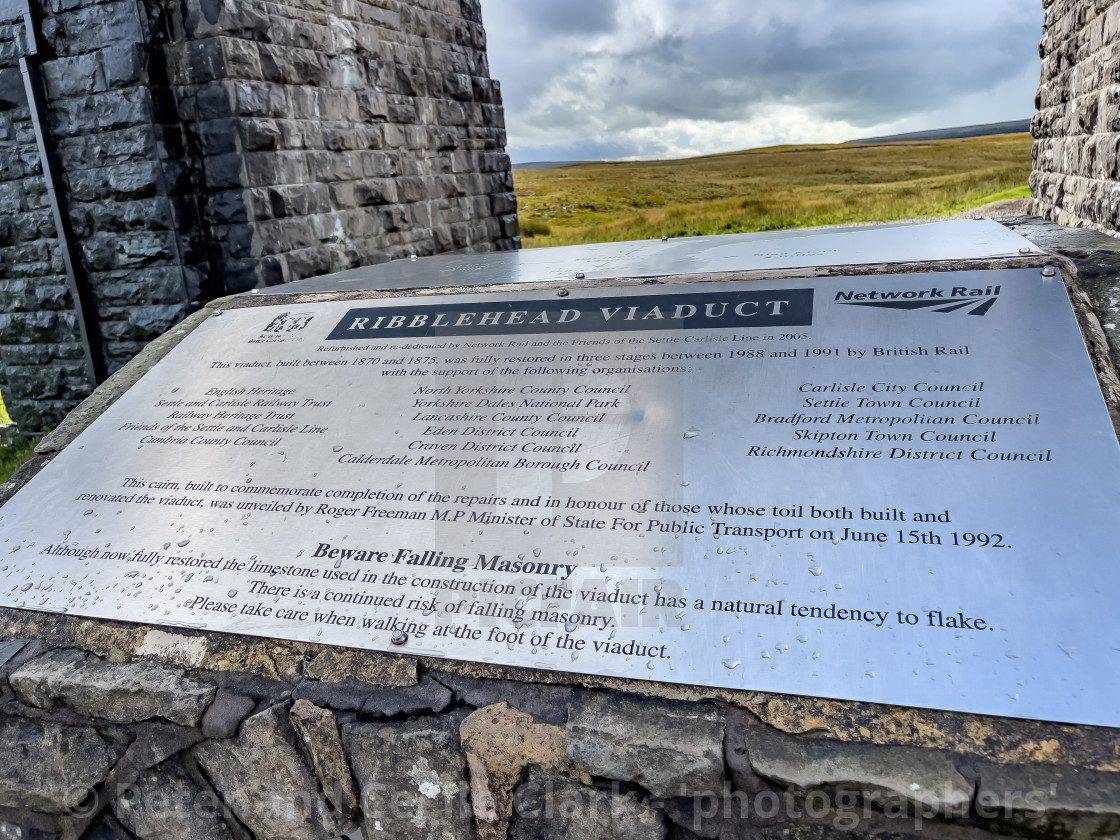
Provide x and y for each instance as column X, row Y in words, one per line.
column 898, row 489
column 784, row 249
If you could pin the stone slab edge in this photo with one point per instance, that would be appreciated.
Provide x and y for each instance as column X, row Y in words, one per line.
column 997, row 739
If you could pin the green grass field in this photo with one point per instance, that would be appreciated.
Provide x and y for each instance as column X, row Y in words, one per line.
column 13, row 456
column 768, row 189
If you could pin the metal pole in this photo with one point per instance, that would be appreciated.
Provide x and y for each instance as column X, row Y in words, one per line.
column 76, row 277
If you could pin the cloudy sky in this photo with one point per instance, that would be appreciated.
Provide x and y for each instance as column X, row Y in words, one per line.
column 615, row 79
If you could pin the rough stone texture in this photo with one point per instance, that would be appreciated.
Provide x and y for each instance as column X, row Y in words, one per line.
column 927, row 778
column 499, row 742
column 123, row 693
column 263, row 778
column 154, row 743
column 337, row 665
column 670, row 749
column 226, row 713
column 1053, row 802
column 43, row 371
column 426, row 696
column 318, row 739
column 213, row 147
column 413, row 778
column 553, row 806
column 52, row 768
column 545, row 703
column 1076, row 180
column 170, row 803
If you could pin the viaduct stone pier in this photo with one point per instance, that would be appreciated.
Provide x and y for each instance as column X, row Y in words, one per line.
column 156, row 155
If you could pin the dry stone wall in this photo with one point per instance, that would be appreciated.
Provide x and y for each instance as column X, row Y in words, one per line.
column 208, row 148
column 160, row 734
column 1076, row 179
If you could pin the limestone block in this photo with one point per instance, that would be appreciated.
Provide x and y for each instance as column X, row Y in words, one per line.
column 226, row 713
column 1052, row 801
column 927, row 778
column 120, row 692
column 553, row 806
column 318, row 739
column 263, row 778
column 499, row 742
column 49, row 767
column 669, row 748
column 169, row 803
column 413, row 778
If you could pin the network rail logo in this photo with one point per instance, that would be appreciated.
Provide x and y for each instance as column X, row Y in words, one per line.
column 975, row 301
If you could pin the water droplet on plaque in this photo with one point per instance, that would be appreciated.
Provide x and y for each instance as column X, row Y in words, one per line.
column 838, row 586
column 732, row 664
column 726, row 639
column 569, row 626
column 207, row 579
column 575, row 655
column 870, row 674
column 182, row 543
column 803, row 639
column 536, row 552
column 690, row 434
column 651, row 665
column 781, row 647
column 816, row 570
column 87, row 512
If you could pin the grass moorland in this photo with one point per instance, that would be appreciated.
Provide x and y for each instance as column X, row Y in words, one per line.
column 768, row 189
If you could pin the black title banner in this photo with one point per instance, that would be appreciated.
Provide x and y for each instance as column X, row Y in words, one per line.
column 709, row 310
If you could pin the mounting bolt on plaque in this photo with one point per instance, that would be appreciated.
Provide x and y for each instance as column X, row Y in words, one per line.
column 562, row 293
column 399, row 637
column 1024, row 250
column 254, row 291
column 1048, row 271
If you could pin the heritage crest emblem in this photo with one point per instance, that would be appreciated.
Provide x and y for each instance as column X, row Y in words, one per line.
column 289, row 322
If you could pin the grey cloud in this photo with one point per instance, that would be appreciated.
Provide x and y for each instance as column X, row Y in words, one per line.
column 566, row 17
column 865, row 62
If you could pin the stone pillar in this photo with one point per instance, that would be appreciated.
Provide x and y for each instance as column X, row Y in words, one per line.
column 43, row 371
column 1076, row 179
column 209, row 148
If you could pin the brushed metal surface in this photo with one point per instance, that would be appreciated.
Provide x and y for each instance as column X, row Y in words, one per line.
column 952, row 240
column 908, row 500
